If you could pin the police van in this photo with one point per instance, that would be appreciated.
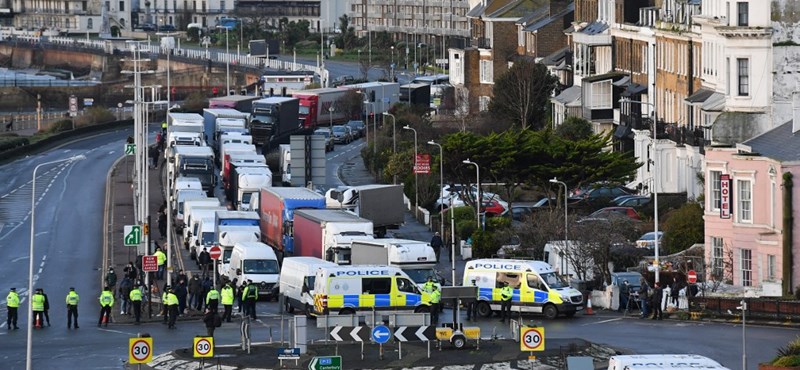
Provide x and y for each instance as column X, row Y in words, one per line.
column 344, row 290
column 537, row 288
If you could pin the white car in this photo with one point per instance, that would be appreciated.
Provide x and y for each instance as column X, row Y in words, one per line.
column 444, row 202
column 648, row 240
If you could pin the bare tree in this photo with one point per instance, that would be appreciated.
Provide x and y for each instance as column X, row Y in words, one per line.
column 596, row 237
column 722, row 274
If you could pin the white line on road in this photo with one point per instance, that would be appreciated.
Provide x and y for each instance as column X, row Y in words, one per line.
column 41, row 233
column 115, row 331
column 44, row 258
column 19, row 259
column 603, row 321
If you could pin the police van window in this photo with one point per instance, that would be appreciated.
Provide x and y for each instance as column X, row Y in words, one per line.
column 534, row 282
column 406, row 286
column 513, row 280
column 376, row 286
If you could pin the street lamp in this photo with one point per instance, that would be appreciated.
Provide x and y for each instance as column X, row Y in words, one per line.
column 416, row 176
column 554, row 180
column 168, row 44
column 227, row 63
column 394, row 140
column 392, row 66
column 478, row 199
column 655, row 180
column 29, row 352
column 330, row 114
column 441, row 223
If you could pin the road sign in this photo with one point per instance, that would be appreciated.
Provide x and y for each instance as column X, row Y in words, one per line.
column 381, row 334
column 149, row 263
column 215, row 252
column 73, row 106
column 349, row 333
column 140, row 350
column 132, row 235
column 691, row 276
column 326, row 363
column 423, row 164
column 203, row 347
column 130, row 149
column 531, row 339
column 289, row 353
column 414, row 333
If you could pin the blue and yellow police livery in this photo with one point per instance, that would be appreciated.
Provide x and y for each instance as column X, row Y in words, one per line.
column 537, row 288
column 346, row 289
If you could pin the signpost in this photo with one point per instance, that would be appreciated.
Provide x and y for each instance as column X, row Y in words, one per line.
column 132, row 235
column 381, row 334
column 216, row 254
column 691, row 276
column 149, row 263
column 288, row 354
column 325, row 363
column 73, row 105
column 423, row 164
column 140, row 350
column 531, row 339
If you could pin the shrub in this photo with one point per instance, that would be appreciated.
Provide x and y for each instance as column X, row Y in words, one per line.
column 9, row 143
column 483, row 244
column 94, row 115
column 684, row 227
column 789, row 361
column 788, row 355
column 59, row 126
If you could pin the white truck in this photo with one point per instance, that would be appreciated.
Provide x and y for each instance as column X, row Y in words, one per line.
column 228, row 236
column 181, row 197
column 246, row 183
column 328, row 233
column 286, row 164
column 200, row 227
column 234, row 138
column 296, row 283
column 186, row 122
column 183, row 217
column 185, row 138
column 570, row 259
column 211, row 117
column 415, row 258
column 255, row 261
column 192, row 161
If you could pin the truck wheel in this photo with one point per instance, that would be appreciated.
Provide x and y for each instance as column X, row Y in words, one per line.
column 347, row 311
column 550, row 312
column 484, row 309
column 422, row 309
column 459, row 341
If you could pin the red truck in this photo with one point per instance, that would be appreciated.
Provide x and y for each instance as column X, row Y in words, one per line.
column 315, row 107
column 276, row 210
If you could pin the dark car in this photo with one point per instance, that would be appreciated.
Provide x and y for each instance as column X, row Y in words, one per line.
column 328, row 138
column 343, row 80
column 637, row 201
column 148, row 27
column 341, row 135
column 357, row 127
column 167, row 28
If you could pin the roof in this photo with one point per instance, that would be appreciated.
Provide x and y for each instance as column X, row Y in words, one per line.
column 477, row 11
column 569, row 95
column 605, row 76
column 552, row 18
column 779, row 143
column 634, row 89
column 556, row 58
column 294, row 193
column 700, row 96
column 715, row 103
column 330, row 215
column 594, row 28
column 515, row 9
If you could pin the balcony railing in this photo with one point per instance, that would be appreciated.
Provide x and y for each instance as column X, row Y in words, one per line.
column 685, row 135
column 481, row 42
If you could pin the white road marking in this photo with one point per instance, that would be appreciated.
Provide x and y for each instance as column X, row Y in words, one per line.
column 115, row 331
column 19, row 259
column 41, row 233
column 603, row 321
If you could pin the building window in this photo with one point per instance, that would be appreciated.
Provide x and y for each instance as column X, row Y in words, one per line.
column 743, row 66
column 772, row 265
column 742, row 18
column 717, row 259
column 487, row 74
column 747, row 267
column 122, row 6
column 601, row 95
column 745, row 203
column 221, row 5
column 483, row 103
column 90, row 23
column 715, row 197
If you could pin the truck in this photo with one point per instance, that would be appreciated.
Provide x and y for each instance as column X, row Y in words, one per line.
column 274, row 120
column 296, row 283
column 285, row 83
column 247, row 179
column 185, row 138
column 211, row 115
column 381, row 204
column 232, row 137
column 285, row 164
column 276, row 210
column 417, row 259
column 327, row 233
column 193, row 161
column 226, row 152
column 316, row 104
column 228, row 235
column 242, row 103
column 381, row 95
column 185, row 122
column 416, row 94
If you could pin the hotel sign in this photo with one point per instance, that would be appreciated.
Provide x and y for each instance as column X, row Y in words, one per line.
column 726, row 200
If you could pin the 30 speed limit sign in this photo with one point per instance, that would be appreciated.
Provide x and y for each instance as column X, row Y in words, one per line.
column 140, row 350
column 531, row 339
column 203, row 347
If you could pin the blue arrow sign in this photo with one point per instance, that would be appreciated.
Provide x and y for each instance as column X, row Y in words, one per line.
column 381, row 334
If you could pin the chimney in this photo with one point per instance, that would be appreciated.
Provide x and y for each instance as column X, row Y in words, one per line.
column 795, row 111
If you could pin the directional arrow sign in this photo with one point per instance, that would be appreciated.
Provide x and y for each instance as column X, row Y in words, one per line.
column 326, row 363
column 130, row 149
column 355, row 334
column 414, row 333
column 381, row 334
column 347, row 333
column 132, row 235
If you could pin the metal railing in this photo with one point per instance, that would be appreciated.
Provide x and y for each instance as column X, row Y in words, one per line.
column 765, row 308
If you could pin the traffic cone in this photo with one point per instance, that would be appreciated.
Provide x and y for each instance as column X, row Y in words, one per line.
column 38, row 322
column 588, row 307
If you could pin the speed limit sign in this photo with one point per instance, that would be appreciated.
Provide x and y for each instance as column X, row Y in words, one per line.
column 140, row 350
column 203, row 347
column 531, row 339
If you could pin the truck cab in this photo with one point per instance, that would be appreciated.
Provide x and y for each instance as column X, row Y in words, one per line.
column 193, row 161
column 286, row 164
column 185, row 138
column 248, row 183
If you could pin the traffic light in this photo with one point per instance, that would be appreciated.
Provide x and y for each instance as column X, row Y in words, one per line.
column 146, row 229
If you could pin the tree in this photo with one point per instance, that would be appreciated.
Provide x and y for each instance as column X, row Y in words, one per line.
column 522, row 94
column 347, row 35
column 684, row 228
column 574, row 128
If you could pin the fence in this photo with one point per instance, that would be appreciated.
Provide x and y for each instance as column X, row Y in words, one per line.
column 765, row 308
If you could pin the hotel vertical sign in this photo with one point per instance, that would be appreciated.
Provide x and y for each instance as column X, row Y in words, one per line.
column 726, row 199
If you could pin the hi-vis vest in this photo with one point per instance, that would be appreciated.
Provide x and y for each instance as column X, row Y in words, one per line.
column 136, row 295
column 106, row 299
column 213, row 295
column 37, row 302
column 72, row 298
column 227, row 295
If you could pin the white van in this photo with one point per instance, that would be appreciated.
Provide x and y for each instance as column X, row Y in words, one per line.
column 228, row 236
column 296, row 284
column 537, row 287
column 255, row 261
column 667, row 362
column 183, row 219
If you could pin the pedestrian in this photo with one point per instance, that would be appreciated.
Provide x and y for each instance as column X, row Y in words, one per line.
column 506, row 293
column 172, row 308
column 161, row 259
column 675, row 292
column 131, row 271
column 212, row 299
column 472, row 314
column 644, row 297
column 162, row 224
column 655, row 301
column 227, row 301
column 135, row 297
column 250, row 296
column 165, row 303
column 37, row 305
column 436, row 299
column 10, row 124
column 111, row 280
column 153, row 153
column 212, row 321
column 12, row 306
column 158, row 143
column 46, row 308
column 195, row 292
column 106, row 302
column 72, row 308
column 125, row 287
column 436, row 244
column 203, row 260
column 181, row 276
column 163, row 127
column 180, row 292
column 239, row 295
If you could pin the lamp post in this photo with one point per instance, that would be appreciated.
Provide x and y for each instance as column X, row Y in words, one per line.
column 330, row 115
column 554, row 180
column 478, row 195
column 655, row 182
column 29, row 349
column 744, row 342
column 169, row 45
column 391, row 74
column 227, row 63
column 441, row 178
column 416, row 176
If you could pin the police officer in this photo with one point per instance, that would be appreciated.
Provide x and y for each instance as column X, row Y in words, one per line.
column 106, row 302
column 172, row 307
column 429, row 285
column 227, row 301
column 472, row 313
column 250, row 296
column 163, row 127
column 46, row 307
column 72, row 308
column 161, row 259
column 136, row 299
column 165, row 304
column 505, row 302
column 212, row 299
column 37, row 304
column 436, row 305
column 12, row 303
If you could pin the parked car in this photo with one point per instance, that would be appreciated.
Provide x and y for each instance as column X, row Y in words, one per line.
column 167, row 28
column 611, row 212
column 450, row 190
column 604, row 192
column 357, row 127
column 343, row 80
column 148, row 27
column 492, row 207
column 341, row 135
column 329, row 145
column 648, row 240
column 636, row 201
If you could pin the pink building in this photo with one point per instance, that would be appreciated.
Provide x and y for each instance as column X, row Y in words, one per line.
column 745, row 196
